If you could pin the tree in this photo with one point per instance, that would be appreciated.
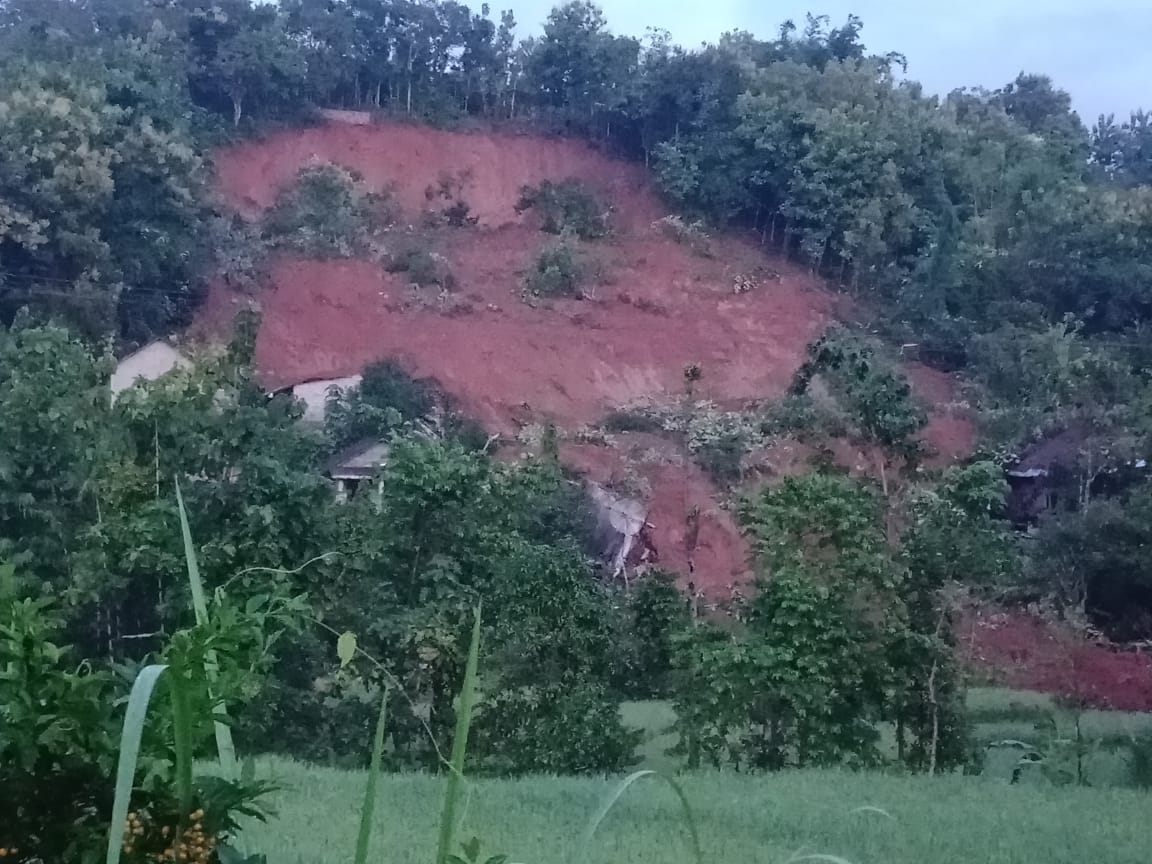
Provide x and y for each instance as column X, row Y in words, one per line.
column 1096, row 562
column 1042, row 109
column 101, row 216
column 242, row 52
column 54, row 409
column 803, row 682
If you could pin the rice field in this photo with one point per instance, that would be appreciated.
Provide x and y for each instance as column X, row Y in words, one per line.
column 996, row 714
column 781, row 818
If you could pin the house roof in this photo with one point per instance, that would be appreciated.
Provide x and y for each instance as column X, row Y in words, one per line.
column 153, row 361
column 359, row 461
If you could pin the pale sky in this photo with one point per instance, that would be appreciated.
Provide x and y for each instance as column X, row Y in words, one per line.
column 1100, row 51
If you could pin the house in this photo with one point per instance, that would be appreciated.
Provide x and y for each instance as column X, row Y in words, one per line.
column 1064, row 470
column 353, row 465
column 153, row 361
column 621, row 532
column 314, row 395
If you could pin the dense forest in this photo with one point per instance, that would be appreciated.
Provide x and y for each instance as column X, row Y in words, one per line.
column 990, row 234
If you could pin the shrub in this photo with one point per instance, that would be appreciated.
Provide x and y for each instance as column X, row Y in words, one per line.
column 723, row 458
column 387, row 398
column 629, row 420
column 657, row 612
column 450, row 187
column 424, row 268
column 691, row 234
column 57, row 738
column 325, row 213
column 554, row 728
column 556, row 272
column 565, row 207
column 238, row 251
column 1140, row 762
column 802, row 417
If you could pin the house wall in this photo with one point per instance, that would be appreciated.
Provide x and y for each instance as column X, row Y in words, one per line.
column 314, row 395
column 149, row 363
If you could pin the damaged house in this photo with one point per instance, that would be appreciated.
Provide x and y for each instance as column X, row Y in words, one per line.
column 621, row 533
column 356, row 464
column 1063, row 472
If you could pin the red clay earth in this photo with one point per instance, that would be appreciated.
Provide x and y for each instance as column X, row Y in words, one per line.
column 1030, row 653
column 655, row 309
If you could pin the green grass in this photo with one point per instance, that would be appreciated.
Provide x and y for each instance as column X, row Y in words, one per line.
column 997, row 714
column 741, row 818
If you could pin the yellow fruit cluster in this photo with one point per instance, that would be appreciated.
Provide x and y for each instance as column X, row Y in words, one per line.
column 193, row 846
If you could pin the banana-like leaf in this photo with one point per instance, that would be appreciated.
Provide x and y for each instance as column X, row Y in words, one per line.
column 130, row 736
column 224, row 744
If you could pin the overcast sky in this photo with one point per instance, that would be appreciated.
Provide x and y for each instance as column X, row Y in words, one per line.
column 1100, row 51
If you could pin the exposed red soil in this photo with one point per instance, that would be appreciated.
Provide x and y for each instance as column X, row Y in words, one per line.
column 950, row 433
column 408, row 159
column 656, row 309
column 1030, row 653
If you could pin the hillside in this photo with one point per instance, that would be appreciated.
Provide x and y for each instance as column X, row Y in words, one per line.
column 656, row 308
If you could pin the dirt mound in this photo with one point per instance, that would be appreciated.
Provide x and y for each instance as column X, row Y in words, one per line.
column 654, row 308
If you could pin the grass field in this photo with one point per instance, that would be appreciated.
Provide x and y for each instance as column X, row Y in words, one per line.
column 997, row 714
column 741, row 818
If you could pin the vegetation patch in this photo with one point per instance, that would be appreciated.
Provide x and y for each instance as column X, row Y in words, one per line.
column 687, row 233
column 558, row 271
column 325, row 213
column 423, row 268
column 566, row 207
column 456, row 211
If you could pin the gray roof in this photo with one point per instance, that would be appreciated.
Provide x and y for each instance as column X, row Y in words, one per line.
column 360, row 461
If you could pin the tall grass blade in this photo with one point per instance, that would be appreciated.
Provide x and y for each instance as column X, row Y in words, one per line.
column 368, row 811
column 134, row 719
column 224, row 744
column 459, row 746
column 182, row 733
column 581, row 851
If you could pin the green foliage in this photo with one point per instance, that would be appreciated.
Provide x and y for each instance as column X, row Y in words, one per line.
column 658, row 612
column 803, row 417
column 553, row 728
column 566, row 208
column 101, row 220
column 1097, row 560
column 691, row 234
column 323, row 213
column 57, row 735
column 54, row 410
column 556, row 272
column 1140, row 762
column 876, row 397
column 424, row 268
column 387, row 399
column 804, row 681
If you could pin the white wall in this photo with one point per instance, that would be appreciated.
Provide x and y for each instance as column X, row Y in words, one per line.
column 315, row 393
column 149, row 363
